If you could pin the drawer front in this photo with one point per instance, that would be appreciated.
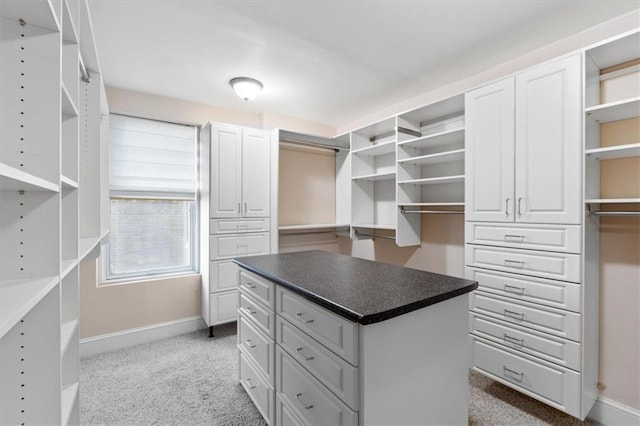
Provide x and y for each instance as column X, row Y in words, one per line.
column 262, row 290
column 230, row 246
column 257, row 346
column 286, row 415
column 557, row 266
column 315, row 403
column 558, row 294
column 331, row 330
column 548, row 320
column 223, row 307
column 261, row 316
column 223, row 275
column 564, row 238
column 237, row 226
column 557, row 387
column 560, row 351
column 260, row 392
column 334, row 372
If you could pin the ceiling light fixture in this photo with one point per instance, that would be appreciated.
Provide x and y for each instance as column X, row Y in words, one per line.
column 245, row 87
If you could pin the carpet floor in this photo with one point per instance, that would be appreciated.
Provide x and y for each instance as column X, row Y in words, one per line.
column 191, row 380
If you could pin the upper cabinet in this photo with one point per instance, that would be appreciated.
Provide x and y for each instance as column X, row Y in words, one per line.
column 523, row 146
column 240, row 159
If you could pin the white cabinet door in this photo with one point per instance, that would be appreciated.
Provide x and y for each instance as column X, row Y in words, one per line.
column 255, row 172
column 548, row 143
column 489, row 162
column 226, row 166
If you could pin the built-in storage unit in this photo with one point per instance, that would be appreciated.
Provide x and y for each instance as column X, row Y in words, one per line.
column 46, row 136
column 235, row 206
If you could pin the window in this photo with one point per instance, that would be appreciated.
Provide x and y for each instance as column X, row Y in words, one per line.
column 152, row 187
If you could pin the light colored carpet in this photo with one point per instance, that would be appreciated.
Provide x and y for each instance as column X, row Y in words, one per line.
column 191, row 380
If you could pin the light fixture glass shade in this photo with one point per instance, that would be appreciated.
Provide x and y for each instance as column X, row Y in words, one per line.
column 245, row 87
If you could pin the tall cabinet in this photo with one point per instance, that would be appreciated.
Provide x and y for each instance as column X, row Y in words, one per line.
column 530, row 324
column 51, row 176
column 236, row 181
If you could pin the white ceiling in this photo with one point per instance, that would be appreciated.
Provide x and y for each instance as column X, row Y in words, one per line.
column 324, row 61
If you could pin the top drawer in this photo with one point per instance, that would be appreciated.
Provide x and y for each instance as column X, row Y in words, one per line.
column 236, row 226
column 334, row 332
column 260, row 288
column 563, row 238
column 238, row 245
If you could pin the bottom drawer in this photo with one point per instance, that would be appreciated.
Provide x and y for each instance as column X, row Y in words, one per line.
column 286, row 415
column 552, row 385
column 223, row 307
column 315, row 404
column 258, row 389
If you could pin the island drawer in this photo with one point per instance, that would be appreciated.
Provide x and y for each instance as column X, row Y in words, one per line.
column 230, row 246
column 261, row 289
column 286, row 414
column 563, row 238
column 261, row 393
column 334, row 372
column 557, row 266
column 331, row 330
column 257, row 346
column 314, row 403
column 556, row 386
column 558, row 294
column 553, row 349
column 223, row 275
column 261, row 316
column 237, row 226
column 541, row 318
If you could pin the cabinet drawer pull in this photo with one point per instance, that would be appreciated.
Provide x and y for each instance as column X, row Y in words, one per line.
column 238, row 207
column 509, row 262
column 248, row 382
column 241, row 245
column 506, row 207
column 512, row 374
column 242, row 225
column 513, row 289
column 245, row 207
column 519, row 205
column 306, row 407
column 248, row 342
column 249, row 311
column 509, row 237
column 306, row 358
column 514, row 340
column 514, row 315
column 306, row 321
column 249, row 285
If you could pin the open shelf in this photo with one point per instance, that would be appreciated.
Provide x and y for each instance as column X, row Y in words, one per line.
column 86, row 245
column 69, row 33
column 67, row 266
column 68, row 106
column 69, row 398
column 14, row 179
column 381, row 149
column 18, row 297
column 616, row 52
column 312, row 226
column 448, row 137
column 376, row 176
column 374, row 226
column 38, row 13
column 440, row 157
column 433, row 181
column 614, row 111
column 612, row 201
column 66, row 333
column 68, row 183
column 613, row 152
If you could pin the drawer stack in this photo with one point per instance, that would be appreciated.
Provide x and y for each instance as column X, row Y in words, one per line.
column 525, row 318
column 231, row 238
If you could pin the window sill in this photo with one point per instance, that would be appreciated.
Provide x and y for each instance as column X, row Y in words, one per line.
column 139, row 280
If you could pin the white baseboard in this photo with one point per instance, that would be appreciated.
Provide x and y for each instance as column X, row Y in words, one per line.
column 612, row 413
column 135, row 336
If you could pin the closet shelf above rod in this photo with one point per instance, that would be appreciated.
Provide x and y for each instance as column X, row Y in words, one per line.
column 615, row 213
column 403, row 211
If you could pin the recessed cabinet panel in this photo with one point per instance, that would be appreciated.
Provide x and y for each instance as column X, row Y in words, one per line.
column 224, row 307
column 223, row 275
column 229, row 246
column 226, row 177
column 255, row 173
column 565, row 238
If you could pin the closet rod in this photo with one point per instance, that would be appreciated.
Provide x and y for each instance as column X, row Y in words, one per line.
column 612, row 213
column 433, row 211
column 357, row 234
column 308, row 147
column 285, row 232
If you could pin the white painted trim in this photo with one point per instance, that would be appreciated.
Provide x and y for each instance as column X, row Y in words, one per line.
column 619, row 73
column 609, row 412
column 135, row 336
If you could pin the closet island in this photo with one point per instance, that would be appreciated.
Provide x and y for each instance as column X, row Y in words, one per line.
column 325, row 338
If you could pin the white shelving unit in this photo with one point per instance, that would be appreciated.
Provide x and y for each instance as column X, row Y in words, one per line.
column 40, row 194
column 430, row 164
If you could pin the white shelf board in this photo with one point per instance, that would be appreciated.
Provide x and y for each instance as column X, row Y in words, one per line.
column 433, row 181
column 34, row 12
column 68, row 183
column 440, row 157
column 14, row 179
column 374, row 226
column 448, row 137
column 376, row 176
column 68, row 106
column 431, row 204
column 69, row 397
column 18, row 297
column 612, row 152
column 66, row 334
column 612, row 200
column 614, row 111
column 616, row 52
column 380, row 128
column 374, row 150
column 437, row 111
column 86, row 245
column 66, row 266
column 312, row 226
column 69, row 33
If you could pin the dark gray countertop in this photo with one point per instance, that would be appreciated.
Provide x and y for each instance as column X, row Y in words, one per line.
column 360, row 290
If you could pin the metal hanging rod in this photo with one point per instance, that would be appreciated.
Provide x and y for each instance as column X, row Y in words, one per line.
column 432, row 211
column 358, row 234
column 409, row 132
column 285, row 232
column 616, row 213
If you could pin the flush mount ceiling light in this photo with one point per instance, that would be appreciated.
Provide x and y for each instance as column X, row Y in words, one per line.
column 245, row 87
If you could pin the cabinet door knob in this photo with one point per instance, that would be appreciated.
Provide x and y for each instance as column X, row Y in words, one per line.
column 251, row 345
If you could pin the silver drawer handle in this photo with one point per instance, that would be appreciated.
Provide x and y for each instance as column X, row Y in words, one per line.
column 508, row 237
column 248, row 284
column 249, row 311
column 514, row 315
column 519, row 210
column 514, row 340
column 306, row 321
column 509, row 262
column 241, row 245
column 513, row 374
column 248, row 382
column 306, row 407
column 248, row 342
column 306, row 358
column 513, row 289
column 506, row 207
